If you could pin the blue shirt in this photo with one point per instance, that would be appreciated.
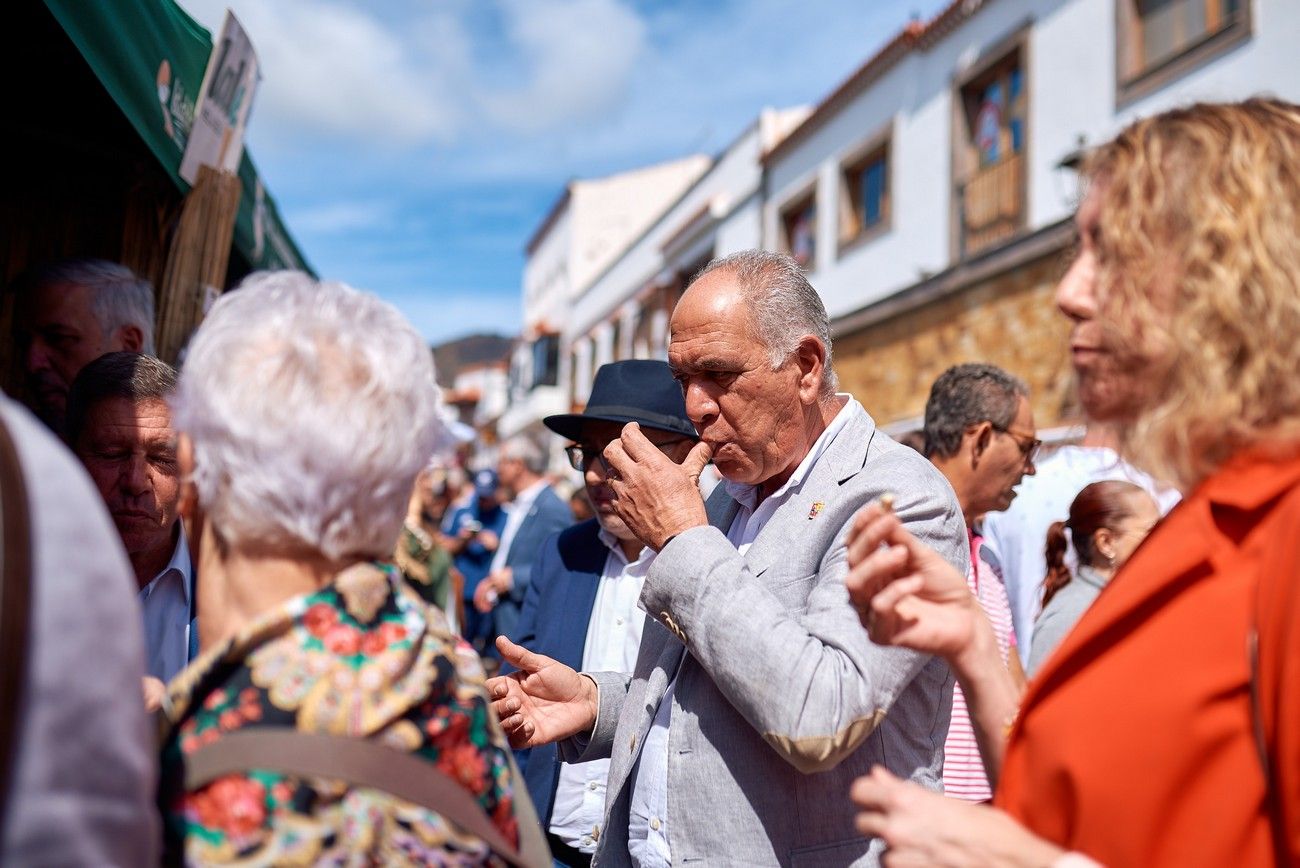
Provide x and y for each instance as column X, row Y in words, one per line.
column 166, row 605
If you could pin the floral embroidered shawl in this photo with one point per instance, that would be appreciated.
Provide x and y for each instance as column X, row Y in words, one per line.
column 363, row 657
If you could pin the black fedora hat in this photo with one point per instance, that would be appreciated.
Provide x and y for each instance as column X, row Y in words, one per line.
column 635, row 390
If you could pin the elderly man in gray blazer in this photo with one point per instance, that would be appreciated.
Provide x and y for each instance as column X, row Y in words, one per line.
column 757, row 697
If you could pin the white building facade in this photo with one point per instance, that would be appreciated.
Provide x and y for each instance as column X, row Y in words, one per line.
column 930, row 194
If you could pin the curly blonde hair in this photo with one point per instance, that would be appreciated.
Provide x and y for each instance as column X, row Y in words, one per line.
column 1199, row 276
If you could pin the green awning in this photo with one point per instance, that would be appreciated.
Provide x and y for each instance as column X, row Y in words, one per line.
column 150, row 55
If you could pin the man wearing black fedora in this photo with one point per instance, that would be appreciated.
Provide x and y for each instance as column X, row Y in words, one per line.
column 581, row 607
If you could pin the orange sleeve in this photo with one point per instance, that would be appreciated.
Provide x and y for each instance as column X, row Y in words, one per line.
column 1279, row 671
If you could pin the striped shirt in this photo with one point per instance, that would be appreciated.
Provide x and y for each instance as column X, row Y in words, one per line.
column 963, row 769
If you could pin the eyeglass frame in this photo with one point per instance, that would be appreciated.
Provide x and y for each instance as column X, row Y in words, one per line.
column 579, row 461
column 1029, row 450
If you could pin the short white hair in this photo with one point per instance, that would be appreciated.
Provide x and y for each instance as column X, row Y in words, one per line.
column 118, row 296
column 311, row 407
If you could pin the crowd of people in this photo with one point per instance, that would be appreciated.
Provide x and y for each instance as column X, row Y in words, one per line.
column 353, row 643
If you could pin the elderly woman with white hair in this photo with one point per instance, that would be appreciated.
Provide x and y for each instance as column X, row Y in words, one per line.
column 332, row 716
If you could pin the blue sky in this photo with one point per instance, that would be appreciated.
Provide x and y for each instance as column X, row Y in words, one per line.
column 413, row 147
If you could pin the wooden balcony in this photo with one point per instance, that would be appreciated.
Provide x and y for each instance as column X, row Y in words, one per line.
column 991, row 205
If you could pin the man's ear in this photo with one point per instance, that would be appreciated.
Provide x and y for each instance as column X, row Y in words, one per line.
column 981, row 438
column 130, row 338
column 810, row 355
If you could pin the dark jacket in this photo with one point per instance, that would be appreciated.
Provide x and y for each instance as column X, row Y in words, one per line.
column 556, row 612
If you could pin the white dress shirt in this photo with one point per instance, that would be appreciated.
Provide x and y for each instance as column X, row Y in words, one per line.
column 613, row 638
column 515, row 515
column 648, row 836
column 165, row 602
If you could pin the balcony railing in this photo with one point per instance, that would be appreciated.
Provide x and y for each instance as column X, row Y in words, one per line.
column 991, row 205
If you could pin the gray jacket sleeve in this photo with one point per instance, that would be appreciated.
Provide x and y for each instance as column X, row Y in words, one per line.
column 598, row 743
column 788, row 651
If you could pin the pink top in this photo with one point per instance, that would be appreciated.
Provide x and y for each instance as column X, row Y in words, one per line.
column 963, row 770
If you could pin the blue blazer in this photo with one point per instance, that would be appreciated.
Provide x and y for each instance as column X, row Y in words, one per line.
column 547, row 515
column 557, row 610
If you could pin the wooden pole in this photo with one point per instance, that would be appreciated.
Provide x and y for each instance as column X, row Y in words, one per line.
column 196, row 263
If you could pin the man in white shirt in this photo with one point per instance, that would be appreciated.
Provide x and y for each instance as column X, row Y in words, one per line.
column 119, row 425
column 535, row 513
column 581, row 608
column 756, row 697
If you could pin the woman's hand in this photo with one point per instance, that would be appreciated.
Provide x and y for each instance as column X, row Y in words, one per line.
column 925, row 828
column 905, row 593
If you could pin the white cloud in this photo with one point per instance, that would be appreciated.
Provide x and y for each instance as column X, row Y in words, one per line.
column 581, row 55
column 335, row 70
column 341, row 71
column 338, row 217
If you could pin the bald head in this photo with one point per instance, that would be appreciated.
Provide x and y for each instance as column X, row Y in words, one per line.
column 777, row 301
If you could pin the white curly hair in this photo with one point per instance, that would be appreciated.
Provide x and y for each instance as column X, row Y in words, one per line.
column 311, row 407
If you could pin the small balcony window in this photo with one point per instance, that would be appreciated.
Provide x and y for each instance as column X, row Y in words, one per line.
column 992, row 130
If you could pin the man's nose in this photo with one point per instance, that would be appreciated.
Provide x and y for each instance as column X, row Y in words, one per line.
column 134, row 476
column 700, row 406
column 37, row 357
column 595, row 474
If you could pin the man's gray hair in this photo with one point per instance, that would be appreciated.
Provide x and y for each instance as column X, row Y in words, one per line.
column 132, row 376
column 784, row 305
column 118, row 296
column 527, row 452
column 311, row 408
column 966, row 395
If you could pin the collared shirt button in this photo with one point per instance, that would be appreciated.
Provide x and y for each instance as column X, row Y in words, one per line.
column 586, row 840
column 591, row 785
column 654, row 823
column 618, row 621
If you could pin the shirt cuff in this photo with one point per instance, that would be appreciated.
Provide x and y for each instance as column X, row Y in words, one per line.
column 595, row 723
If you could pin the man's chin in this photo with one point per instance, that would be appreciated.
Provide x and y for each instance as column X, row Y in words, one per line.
column 609, row 521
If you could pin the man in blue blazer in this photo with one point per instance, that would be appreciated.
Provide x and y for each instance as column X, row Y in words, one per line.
column 581, row 606
column 535, row 513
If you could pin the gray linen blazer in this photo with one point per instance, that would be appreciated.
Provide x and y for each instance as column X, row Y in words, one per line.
column 782, row 699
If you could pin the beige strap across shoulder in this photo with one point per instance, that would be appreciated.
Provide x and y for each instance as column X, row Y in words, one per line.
column 366, row 763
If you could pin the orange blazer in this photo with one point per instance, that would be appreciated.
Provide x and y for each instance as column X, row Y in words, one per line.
column 1136, row 743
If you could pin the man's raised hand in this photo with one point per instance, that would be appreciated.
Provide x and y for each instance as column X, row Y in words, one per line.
column 656, row 498
column 544, row 701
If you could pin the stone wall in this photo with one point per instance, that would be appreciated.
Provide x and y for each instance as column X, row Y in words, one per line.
column 1009, row 320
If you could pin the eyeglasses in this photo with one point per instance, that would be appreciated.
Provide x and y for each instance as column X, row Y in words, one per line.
column 1028, row 443
column 581, row 457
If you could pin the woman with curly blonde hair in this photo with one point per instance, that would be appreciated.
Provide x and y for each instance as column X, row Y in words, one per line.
column 1165, row 729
